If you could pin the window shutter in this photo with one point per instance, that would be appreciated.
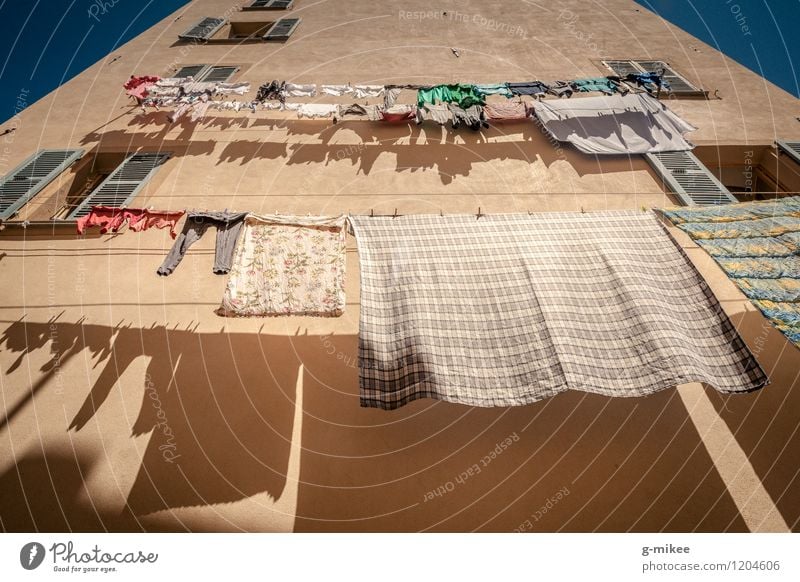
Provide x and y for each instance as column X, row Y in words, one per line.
column 203, row 30
column 269, row 5
column 687, row 177
column 190, row 71
column 622, row 68
column 677, row 84
column 216, row 74
column 282, row 29
column 31, row 176
column 791, row 148
column 123, row 184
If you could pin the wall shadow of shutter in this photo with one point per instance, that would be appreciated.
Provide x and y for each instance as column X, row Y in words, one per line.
column 687, row 177
column 123, row 184
column 31, row 176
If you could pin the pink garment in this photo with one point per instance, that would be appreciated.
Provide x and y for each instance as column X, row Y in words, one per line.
column 155, row 219
column 107, row 217
column 508, row 111
column 111, row 219
column 138, row 86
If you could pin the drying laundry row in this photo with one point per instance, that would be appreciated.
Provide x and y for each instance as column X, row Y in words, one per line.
column 185, row 93
column 145, row 87
column 604, row 125
column 499, row 311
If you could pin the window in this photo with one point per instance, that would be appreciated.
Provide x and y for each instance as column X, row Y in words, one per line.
column 123, row 184
column 269, row 5
column 678, row 84
column 31, row 177
column 687, row 177
column 219, row 30
column 210, row 73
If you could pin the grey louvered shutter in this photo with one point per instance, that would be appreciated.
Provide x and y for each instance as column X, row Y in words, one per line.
column 687, row 177
column 677, row 84
column 269, row 5
column 622, row 68
column 123, row 184
column 190, row 71
column 792, row 148
column 217, row 74
column 204, row 29
column 282, row 29
column 31, row 176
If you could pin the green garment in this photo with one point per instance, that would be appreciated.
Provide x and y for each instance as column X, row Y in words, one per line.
column 463, row 95
column 602, row 84
column 495, row 89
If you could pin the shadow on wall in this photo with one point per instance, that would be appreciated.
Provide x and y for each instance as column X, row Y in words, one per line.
column 428, row 147
column 221, row 425
column 765, row 423
column 576, row 462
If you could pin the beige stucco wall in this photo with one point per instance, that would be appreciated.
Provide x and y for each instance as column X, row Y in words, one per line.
column 97, row 350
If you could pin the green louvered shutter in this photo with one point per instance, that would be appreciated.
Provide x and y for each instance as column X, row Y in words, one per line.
column 123, row 184
column 31, row 176
column 282, row 29
column 791, row 148
column 217, row 74
column 687, row 177
column 204, row 29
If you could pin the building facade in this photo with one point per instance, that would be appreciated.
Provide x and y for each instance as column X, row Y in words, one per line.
column 129, row 404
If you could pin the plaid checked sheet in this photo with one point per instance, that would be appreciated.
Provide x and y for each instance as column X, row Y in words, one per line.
column 509, row 309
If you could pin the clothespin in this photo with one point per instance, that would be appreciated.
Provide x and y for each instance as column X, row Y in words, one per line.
column 479, row 212
column 441, row 212
column 371, row 212
column 582, row 210
column 395, row 213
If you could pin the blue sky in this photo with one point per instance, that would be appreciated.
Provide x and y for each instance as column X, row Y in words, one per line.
column 51, row 41
column 760, row 34
column 47, row 42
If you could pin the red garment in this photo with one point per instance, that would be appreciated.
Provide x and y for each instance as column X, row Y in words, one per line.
column 111, row 219
column 156, row 219
column 138, row 86
column 399, row 117
column 106, row 217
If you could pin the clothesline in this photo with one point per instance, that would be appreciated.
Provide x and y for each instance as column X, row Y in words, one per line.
column 186, row 95
column 614, row 124
column 448, row 309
